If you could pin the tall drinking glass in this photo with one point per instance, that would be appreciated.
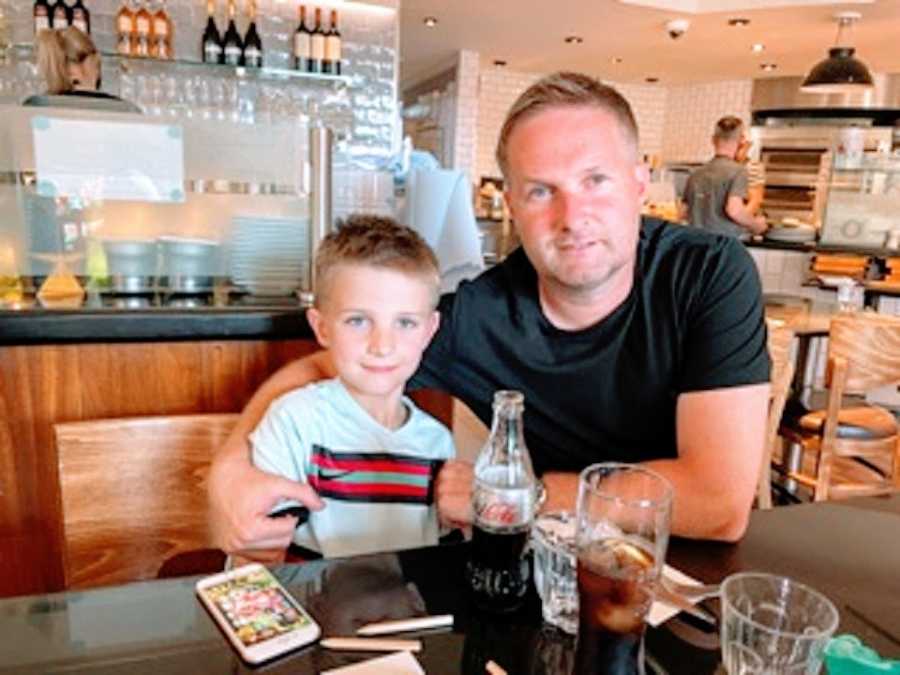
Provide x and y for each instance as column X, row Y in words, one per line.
column 622, row 531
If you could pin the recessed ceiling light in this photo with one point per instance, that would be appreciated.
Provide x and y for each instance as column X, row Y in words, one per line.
column 616, row 59
column 768, row 67
column 500, row 63
column 430, row 21
column 758, row 47
column 739, row 21
column 574, row 40
column 651, row 80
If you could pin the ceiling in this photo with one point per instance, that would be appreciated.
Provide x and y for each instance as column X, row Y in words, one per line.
column 529, row 35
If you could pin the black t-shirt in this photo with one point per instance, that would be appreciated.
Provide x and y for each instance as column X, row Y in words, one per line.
column 693, row 321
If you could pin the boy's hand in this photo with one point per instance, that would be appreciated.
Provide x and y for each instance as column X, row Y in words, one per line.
column 453, row 493
column 241, row 497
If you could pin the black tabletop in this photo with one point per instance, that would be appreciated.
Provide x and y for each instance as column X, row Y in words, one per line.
column 849, row 550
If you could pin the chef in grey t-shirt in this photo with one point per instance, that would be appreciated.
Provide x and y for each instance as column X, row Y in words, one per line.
column 715, row 193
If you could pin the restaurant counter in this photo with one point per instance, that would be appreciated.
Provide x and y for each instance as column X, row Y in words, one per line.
column 155, row 318
column 847, row 550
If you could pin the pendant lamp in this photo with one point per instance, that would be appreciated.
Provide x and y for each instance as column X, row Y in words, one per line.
column 841, row 72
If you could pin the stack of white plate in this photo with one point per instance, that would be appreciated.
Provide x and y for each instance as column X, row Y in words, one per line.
column 269, row 256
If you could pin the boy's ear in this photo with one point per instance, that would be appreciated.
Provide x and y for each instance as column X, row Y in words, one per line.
column 318, row 324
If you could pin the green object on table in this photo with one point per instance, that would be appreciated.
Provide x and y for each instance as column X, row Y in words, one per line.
column 847, row 655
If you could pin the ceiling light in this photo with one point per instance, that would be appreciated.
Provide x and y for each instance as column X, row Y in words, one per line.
column 616, row 60
column 430, row 21
column 651, row 80
column 739, row 21
column 841, row 72
column 500, row 63
column 758, row 47
column 574, row 40
column 768, row 67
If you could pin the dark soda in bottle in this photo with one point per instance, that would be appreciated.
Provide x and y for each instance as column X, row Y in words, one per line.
column 503, row 501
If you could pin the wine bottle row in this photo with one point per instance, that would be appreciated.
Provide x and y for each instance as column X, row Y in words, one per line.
column 59, row 15
column 231, row 48
column 144, row 32
column 317, row 50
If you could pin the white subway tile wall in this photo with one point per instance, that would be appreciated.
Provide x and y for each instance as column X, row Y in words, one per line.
column 363, row 113
column 692, row 111
column 468, row 111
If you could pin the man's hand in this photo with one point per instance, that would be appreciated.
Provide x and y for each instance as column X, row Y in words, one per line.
column 453, row 493
column 239, row 506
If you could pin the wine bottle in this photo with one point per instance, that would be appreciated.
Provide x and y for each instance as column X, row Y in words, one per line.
column 125, row 30
column 162, row 33
column 81, row 17
column 143, row 29
column 41, row 15
column 302, row 48
column 59, row 19
column 212, row 41
column 253, row 50
column 332, row 63
column 316, row 45
column 233, row 46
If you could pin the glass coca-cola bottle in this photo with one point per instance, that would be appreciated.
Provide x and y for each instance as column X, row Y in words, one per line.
column 503, row 501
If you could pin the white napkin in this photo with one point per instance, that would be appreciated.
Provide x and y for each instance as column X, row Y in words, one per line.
column 660, row 612
column 439, row 207
column 400, row 663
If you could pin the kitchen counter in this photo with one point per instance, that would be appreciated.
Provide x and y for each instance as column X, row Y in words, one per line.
column 156, row 318
column 816, row 247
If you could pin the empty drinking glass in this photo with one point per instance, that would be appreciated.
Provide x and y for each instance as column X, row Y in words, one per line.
column 773, row 625
column 553, row 543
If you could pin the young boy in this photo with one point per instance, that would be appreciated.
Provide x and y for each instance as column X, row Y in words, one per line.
column 368, row 451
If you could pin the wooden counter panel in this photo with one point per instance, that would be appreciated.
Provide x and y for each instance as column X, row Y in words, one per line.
column 42, row 385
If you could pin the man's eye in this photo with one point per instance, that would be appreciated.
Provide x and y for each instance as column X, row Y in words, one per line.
column 596, row 179
column 407, row 323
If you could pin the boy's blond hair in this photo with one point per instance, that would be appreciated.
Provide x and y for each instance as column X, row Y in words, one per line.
column 375, row 241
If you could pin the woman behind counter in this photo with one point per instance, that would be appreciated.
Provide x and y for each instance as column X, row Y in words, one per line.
column 70, row 64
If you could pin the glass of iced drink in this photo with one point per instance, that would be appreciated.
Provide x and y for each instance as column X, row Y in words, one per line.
column 622, row 530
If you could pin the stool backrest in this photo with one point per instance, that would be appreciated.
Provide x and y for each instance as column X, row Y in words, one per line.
column 870, row 345
column 133, row 493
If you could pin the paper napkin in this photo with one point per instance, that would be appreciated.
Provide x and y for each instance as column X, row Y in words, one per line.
column 400, row 663
column 660, row 612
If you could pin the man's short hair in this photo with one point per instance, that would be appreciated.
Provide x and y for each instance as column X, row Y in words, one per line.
column 375, row 241
column 566, row 89
column 729, row 128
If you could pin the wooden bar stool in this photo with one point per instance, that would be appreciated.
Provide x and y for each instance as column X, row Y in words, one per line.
column 863, row 355
column 134, row 499
column 780, row 341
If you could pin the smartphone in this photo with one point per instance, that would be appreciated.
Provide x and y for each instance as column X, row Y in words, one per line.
column 258, row 616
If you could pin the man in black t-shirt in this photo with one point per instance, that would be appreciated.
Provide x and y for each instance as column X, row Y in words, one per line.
column 632, row 340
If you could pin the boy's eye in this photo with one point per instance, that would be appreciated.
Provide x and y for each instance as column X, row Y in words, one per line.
column 355, row 321
column 538, row 192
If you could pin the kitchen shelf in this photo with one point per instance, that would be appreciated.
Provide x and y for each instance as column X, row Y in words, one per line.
column 241, row 72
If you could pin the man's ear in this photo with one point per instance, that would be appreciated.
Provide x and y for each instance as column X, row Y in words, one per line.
column 319, row 326
column 434, row 322
column 642, row 176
